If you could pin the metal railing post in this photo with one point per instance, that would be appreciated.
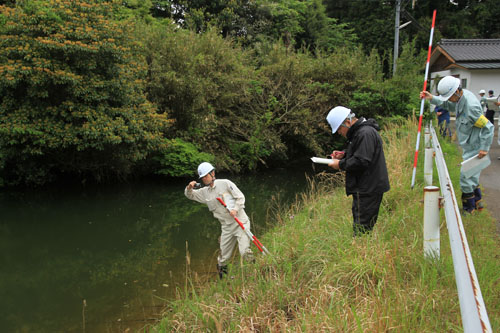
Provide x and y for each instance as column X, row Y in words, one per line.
column 431, row 222
column 428, row 157
column 427, row 136
column 428, row 166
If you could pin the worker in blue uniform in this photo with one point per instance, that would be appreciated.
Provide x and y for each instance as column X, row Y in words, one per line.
column 474, row 132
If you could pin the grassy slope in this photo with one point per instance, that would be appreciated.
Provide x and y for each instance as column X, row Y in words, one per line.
column 319, row 278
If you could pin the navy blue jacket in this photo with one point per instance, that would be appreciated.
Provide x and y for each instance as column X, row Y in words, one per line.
column 445, row 115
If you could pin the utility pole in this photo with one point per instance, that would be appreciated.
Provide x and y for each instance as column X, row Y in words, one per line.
column 396, row 36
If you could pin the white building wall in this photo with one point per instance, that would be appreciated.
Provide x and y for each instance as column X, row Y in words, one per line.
column 487, row 79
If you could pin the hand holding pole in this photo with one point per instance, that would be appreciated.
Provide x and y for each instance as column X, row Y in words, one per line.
column 254, row 239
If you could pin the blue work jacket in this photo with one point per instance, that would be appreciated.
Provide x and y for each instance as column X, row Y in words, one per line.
column 474, row 130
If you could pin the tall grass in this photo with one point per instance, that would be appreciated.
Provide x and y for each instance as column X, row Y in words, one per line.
column 320, row 278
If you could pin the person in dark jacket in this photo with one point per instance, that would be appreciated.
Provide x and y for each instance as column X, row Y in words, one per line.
column 364, row 163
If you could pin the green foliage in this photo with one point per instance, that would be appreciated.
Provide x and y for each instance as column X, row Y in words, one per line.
column 297, row 23
column 398, row 95
column 206, row 85
column 71, row 93
column 373, row 21
column 135, row 9
column 266, row 109
column 323, row 32
column 180, row 158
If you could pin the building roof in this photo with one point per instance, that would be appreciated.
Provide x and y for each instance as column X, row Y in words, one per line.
column 479, row 65
column 467, row 50
column 466, row 53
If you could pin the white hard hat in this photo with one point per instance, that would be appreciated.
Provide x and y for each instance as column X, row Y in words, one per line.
column 447, row 87
column 482, row 91
column 336, row 116
column 204, row 168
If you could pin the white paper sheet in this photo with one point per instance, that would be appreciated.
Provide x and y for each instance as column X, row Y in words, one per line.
column 491, row 103
column 473, row 165
column 320, row 160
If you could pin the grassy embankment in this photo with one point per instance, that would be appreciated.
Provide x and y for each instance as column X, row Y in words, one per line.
column 319, row 278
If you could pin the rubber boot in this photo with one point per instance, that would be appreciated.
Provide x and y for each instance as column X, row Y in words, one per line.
column 478, row 196
column 468, row 202
column 221, row 270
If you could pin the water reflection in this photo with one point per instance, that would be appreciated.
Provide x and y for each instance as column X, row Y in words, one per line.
column 107, row 258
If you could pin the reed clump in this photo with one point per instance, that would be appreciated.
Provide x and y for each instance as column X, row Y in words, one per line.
column 321, row 279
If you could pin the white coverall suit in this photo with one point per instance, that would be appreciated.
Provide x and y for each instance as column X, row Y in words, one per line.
column 474, row 131
column 231, row 231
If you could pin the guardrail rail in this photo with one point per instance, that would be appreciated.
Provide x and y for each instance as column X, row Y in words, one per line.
column 472, row 308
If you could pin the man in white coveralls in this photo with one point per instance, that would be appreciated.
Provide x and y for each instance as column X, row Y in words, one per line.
column 474, row 132
column 235, row 201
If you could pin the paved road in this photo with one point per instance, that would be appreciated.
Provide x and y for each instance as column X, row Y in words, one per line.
column 490, row 178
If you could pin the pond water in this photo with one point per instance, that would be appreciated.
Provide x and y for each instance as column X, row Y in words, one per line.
column 108, row 258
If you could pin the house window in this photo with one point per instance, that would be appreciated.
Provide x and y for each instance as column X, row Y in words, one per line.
column 464, row 83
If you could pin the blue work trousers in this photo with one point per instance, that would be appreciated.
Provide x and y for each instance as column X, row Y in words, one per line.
column 467, row 185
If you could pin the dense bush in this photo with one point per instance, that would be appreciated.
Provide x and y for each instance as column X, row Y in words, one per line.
column 180, row 159
column 71, row 93
column 203, row 82
column 397, row 96
column 254, row 107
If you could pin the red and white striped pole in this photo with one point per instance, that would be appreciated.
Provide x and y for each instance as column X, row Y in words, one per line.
column 252, row 237
column 422, row 103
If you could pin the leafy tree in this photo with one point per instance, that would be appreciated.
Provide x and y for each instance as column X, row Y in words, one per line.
column 204, row 83
column 468, row 19
column 71, row 93
column 297, row 22
column 397, row 96
column 373, row 21
column 321, row 31
column 162, row 9
column 135, row 9
column 486, row 15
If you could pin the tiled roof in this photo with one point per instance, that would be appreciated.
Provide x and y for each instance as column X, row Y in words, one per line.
column 479, row 65
column 472, row 50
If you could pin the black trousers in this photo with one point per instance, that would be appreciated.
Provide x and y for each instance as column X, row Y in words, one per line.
column 490, row 114
column 365, row 211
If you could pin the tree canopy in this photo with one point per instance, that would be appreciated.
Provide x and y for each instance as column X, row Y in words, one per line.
column 71, row 92
column 108, row 89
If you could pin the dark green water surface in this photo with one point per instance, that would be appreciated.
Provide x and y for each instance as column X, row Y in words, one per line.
column 105, row 259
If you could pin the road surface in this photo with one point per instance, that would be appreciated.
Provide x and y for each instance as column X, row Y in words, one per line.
column 490, row 180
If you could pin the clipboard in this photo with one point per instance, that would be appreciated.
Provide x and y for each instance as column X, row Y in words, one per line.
column 473, row 165
column 320, row 160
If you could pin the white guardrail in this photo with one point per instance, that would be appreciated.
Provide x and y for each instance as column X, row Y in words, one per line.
column 472, row 308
